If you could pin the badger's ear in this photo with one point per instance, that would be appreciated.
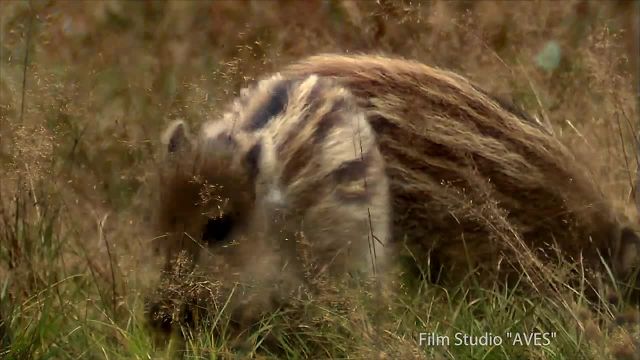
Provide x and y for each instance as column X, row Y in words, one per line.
column 176, row 137
column 629, row 251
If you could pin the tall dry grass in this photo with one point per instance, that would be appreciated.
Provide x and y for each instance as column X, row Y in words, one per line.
column 86, row 87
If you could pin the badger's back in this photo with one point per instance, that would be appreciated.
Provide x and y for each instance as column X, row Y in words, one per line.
column 461, row 161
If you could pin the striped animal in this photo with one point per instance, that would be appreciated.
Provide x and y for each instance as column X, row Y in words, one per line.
column 338, row 163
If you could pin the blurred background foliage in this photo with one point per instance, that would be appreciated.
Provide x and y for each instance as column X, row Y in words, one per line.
column 104, row 76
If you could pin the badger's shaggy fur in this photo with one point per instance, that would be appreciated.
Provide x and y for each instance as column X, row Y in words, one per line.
column 334, row 162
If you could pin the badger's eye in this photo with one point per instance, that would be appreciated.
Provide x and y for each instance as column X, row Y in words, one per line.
column 217, row 229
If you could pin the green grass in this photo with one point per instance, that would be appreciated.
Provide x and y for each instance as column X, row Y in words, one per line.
column 57, row 310
column 67, row 315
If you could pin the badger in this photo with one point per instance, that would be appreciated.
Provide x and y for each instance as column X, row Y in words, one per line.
column 338, row 164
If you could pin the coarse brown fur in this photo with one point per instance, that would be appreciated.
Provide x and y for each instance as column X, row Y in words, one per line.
column 457, row 157
column 288, row 157
column 463, row 170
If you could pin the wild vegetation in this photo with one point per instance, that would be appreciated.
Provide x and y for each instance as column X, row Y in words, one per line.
column 87, row 87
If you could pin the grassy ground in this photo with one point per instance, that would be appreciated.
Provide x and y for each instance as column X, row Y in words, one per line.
column 86, row 87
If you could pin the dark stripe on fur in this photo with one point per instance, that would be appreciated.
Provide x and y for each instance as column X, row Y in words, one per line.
column 301, row 158
column 352, row 170
column 349, row 172
column 273, row 105
column 252, row 160
column 329, row 121
column 303, row 151
column 313, row 101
